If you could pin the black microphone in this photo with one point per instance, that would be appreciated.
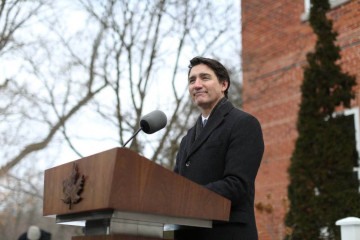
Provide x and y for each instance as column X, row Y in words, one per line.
column 150, row 123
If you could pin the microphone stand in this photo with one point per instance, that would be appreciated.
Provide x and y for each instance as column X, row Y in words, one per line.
column 132, row 136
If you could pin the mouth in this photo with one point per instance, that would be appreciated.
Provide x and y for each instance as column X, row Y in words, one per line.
column 198, row 93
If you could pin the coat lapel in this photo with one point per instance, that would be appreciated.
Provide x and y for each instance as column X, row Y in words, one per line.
column 192, row 136
column 214, row 121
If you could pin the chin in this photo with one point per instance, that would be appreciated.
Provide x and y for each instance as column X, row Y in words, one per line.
column 202, row 104
column 200, row 99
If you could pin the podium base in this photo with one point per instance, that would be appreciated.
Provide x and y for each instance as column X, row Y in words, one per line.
column 114, row 237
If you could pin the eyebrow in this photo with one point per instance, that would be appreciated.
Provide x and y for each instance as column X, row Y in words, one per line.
column 205, row 75
column 201, row 75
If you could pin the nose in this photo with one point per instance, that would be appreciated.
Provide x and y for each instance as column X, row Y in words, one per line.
column 197, row 83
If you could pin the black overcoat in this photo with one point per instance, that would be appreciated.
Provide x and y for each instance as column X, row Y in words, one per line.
column 225, row 157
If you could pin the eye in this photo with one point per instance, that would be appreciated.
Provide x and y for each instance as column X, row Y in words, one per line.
column 205, row 77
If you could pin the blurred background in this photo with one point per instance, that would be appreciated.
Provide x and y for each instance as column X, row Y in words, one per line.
column 76, row 77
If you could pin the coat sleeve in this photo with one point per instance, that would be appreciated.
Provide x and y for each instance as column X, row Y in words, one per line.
column 180, row 155
column 242, row 161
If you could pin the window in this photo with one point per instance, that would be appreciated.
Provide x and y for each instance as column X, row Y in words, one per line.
column 307, row 5
column 354, row 113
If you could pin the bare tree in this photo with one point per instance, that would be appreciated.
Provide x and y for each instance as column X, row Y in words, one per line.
column 140, row 39
column 14, row 15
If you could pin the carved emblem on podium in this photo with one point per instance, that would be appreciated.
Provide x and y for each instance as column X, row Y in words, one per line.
column 73, row 186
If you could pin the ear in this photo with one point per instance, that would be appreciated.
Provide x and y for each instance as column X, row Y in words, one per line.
column 224, row 85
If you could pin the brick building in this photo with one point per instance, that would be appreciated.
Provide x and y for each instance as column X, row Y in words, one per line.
column 276, row 37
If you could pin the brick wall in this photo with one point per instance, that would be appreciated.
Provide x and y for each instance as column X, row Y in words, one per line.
column 275, row 42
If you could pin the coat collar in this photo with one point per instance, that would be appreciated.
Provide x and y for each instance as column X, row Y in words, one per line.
column 215, row 119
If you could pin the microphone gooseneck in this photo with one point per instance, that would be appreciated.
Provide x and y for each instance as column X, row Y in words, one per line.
column 132, row 137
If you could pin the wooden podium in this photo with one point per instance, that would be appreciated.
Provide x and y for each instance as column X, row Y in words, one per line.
column 119, row 195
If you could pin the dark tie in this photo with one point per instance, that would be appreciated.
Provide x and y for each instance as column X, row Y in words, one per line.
column 204, row 122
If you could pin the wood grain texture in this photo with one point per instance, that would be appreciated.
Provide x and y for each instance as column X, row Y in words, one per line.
column 122, row 180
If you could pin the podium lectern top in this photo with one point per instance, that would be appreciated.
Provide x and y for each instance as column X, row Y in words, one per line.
column 122, row 180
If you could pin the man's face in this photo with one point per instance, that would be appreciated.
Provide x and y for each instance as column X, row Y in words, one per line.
column 205, row 88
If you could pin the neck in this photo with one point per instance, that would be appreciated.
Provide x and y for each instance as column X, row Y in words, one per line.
column 205, row 115
column 205, row 112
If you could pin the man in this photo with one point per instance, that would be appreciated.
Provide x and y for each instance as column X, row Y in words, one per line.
column 223, row 155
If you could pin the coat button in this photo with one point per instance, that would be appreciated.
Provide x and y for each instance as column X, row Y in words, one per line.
column 187, row 163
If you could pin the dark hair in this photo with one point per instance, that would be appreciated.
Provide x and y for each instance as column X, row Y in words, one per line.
column 219, row 69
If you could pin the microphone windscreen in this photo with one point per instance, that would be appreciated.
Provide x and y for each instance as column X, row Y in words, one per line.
column 153, row 122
